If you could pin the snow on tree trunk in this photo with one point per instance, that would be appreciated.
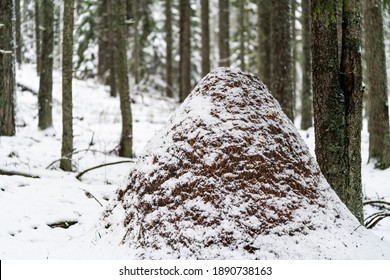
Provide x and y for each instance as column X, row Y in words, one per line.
column 227, row 177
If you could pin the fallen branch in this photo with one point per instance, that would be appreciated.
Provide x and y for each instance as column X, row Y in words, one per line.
column 73, row 153
column 62, row 224
column 374, row 219
column 78, row 176
column 369, row 202
column 17, row 173
column 26, row 88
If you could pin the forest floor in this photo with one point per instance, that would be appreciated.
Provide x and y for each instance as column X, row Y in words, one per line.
column 55, row 216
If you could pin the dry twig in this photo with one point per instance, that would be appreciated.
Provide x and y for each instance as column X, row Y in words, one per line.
column 78, row 176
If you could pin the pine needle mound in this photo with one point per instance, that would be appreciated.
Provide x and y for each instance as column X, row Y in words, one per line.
column 230, row 177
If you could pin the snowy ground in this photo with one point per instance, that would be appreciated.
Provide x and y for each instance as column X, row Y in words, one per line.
column 30, row 205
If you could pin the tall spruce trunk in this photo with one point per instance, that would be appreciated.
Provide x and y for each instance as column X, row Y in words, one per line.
column 328, row 100
column 137, row 42
column 205, row 37
column 352, row 86
column 378, row 113
column 58, row 18
column 18, row 36
column 223, row 34
column 306, row 97
column 126, row 141
column 294, row 43
column 242, row 33
column 67, row 70
column 102, row 40
column 281, row 57
column 7, row 70
column 185, row 50
column 169, row 48
column 264, row 40
column 112, row 55
column 38, row 36
column 337, row 99
column 46, row 78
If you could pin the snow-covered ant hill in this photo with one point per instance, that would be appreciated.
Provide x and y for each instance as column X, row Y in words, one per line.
column 230, row 177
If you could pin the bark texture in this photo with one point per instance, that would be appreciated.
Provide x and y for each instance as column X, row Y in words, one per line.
column 185, row 50
column 46, row 78
column 328, row 101
column 352, row 86
column 223, row 34
column 281, row 57
column 126, row 141
column 67, row 70
column 378, row 113
column 205, row 37
column 7, row 70
column 337, row 99
column 306, row 98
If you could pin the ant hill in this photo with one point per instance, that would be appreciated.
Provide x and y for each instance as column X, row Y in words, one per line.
column 230, row 177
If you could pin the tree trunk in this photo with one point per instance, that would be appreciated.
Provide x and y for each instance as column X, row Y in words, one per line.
column 281, row 57
column 205, row 37
column 46, row 78
column 242, row 33
column 306, row 98
column 129, row 9
column 38, row 33
column 352, row 86
column 294, row 48
column 67, row 70
column 223, row 34
column 185, row 50
column 137, row 44
column 7, row 70
column 57, row 36
column 126, row 141
column 328, row 100
column 112, row 80
column 337, row 99
column 264, row 37
column 145, row 29
column 18, row 33
column 102, row 40
column 378, row 113
column 169, row 41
